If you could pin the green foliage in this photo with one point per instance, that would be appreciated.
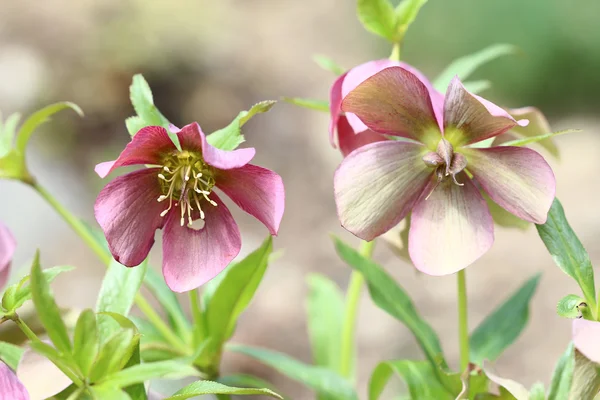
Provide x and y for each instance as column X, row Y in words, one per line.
column 406, row 12
column 537, row 392
column 114, row 354
column 569, row 306
column 477, row 87
column 328, row 64
column 312, row 104
column 8, row 131
column 144, row 372
column 535, row 139
column 503, row 326
column 209, row 387
column 381, row 18
column 10, row 354
column 85, row 341
column 560, row 386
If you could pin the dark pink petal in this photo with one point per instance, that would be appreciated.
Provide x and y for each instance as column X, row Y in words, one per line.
column 350, row 141
column 586, row 336
column 192, row 138
column 377, row 185
column 450, row 229
column 395, row 102
column 193, row 257
column 335, row 106
column 147, row 147
column 256, row 190
column 8, row 245
column 469, row 118
column 10, row 386
column 128, row 212
column 517, row 178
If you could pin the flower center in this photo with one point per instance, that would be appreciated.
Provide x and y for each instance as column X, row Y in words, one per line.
column 446, row 162
column 186, row 181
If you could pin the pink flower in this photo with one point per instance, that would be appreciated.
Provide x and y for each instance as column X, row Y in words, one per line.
column 7, row 250
column 11, row 387
column 352, row 132
column 177, row 189
column 586, row 338
column 429, row 174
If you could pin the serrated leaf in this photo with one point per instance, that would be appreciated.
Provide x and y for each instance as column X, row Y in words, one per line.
column 323, row 381
column 8, row 130
column 209, row 387
column 134, row 124
column 560, row 385
column 406, row 13
column 534, row 139
column 568, row 306
column 465, row 66
column 10, row 354
column 312, row 104
column 85, row 341
column 144, row 372
column 502, row 327
column 328, row 64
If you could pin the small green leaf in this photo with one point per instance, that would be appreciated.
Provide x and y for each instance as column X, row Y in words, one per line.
column 534, row 139
column 406, row 13
column 8, row 130
column 568, row 306
column 10, row 354
column 499, row 329
column 114, row 354
column 465, row 66
column 323, row 381
column 378, row 17
column 144, row 372
column 390, row 297
column 560, row 386
column 537, row 392
column 319, row 105
column 209, row 387
column 328, row 64
column 108, row 393
column 477, row 87
column 567, row 251
column 85, row 341
column 134, row 124
column 230, row 137
column 46, row 308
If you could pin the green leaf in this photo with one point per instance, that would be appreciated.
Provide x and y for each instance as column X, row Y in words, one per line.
column 108, row 393
column 328, row 64
column 8, row 131
column 537, row 392
column 560, row 386
column 46, row 308
column 61, row 360
column 86, row 341
column 245, row 380
column 10, row 354
column 325, row 307
column 144, row 372
column 502, row 327
column 390, row 297
column 568, row 306
column 230, row 137
column 312, row 104
column 406, row 13
column 114, row 354
column 538, row 125
column 465, row 66
column 38, row 118
column 323, row 381
column 534, row 139
column 419, row 376
column 134, row 124
column 209, row 387
column 477, row 87
column 378, row 17
column 567, row 251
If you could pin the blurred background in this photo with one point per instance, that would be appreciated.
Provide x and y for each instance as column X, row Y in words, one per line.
column 207, row 60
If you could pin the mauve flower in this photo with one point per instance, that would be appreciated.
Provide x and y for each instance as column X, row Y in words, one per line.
column 586, row 338
column 11, row 387
column 7, row 250
column 176, row 189
column 351, row 131
column 430, row 174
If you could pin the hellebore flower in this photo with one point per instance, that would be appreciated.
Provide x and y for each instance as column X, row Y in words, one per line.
column 7, row 250
column 585, row 338
column 176, row 190
column 432, row 173
column 352, row 132
column 11, row 387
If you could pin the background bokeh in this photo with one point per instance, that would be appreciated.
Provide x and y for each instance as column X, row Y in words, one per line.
column 207, row 60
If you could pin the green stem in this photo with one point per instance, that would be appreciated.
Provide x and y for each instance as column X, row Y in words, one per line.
column 463, row 323
column 25, row 329
column 349, row 325
column 159, row 324
column 197, row 317
column 395, row 56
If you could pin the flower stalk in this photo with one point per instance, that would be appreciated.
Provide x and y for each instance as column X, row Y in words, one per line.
column 463, row 322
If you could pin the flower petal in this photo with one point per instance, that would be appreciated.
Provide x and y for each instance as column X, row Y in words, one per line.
column 7, row 251
column 517, row 178
column 395, row 102
column 128, row 212
column 469, row 118
column 377, row 185
column 192, row 138
column 585, row 338
column 350, row 141
column 146, row 147
column 193, row 257
column 256, row 190
column 335, row 106
column 10, row 386
column 41, row 378
column 450, row 229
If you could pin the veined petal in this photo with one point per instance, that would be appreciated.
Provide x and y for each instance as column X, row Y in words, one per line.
column 146, row 147
column 10, row 386
column 128, row 212
column 395, row 102
column 256, row 190
column 469, row 118
column 7, row 251
column 585, row 338
column 350, row 141
column 335, row 106
column 192, row 138
column 377, row 185
column 517, row 178
column 450, row 229
column 193, row 257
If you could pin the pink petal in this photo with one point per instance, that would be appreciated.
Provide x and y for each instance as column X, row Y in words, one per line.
column 192, row 138
column 350, row 141
column 128, row 212
column 586, row 336
column 517, row 178
column 395, row 102
column 193, row 257
column 377, row 185
column 10, row 386
column 469, row 118
column 256, row 190
column 335, row 106
column 450, row 229
column 8, row 245
column 146, row 147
